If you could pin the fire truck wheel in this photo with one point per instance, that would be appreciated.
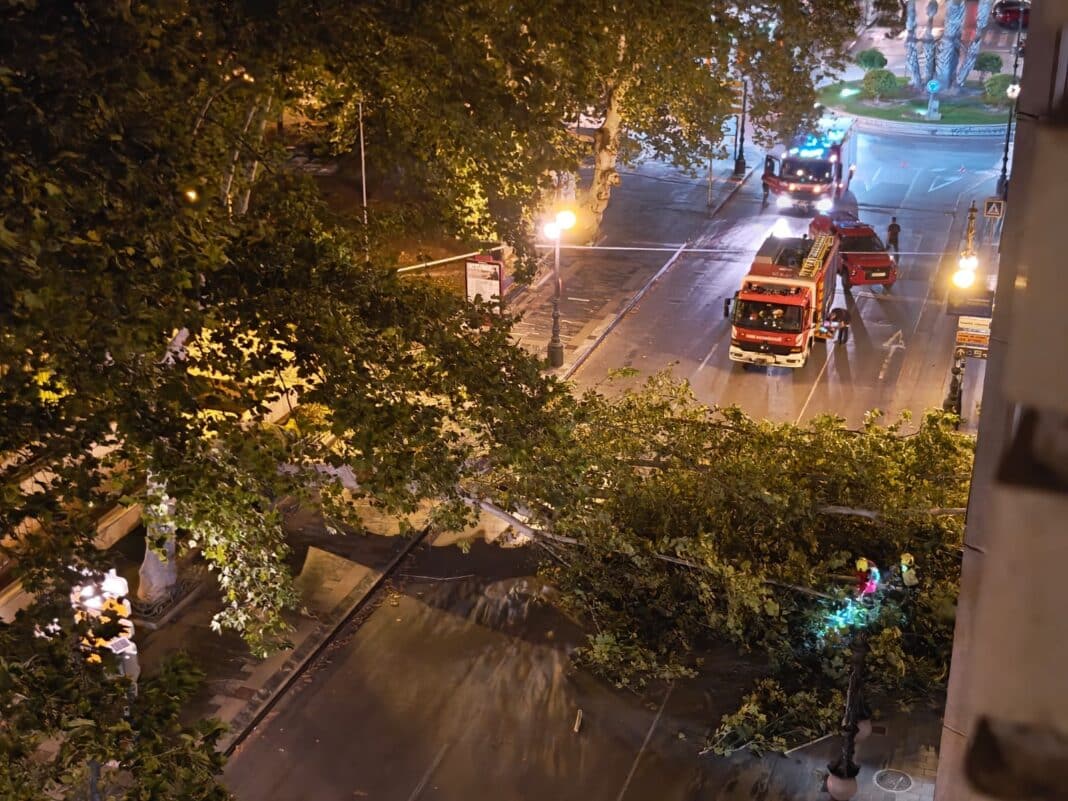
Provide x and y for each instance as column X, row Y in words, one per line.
column 886, row 287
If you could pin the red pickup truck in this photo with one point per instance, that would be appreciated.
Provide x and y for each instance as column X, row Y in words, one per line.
column 863, row 256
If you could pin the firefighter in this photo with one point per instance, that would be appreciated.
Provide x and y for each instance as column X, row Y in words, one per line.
column 908, row 571
column 841, row 318
column 867, row 577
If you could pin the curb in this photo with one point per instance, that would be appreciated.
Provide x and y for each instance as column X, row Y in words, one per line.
column 313, row 645
column 582, row 357
column 876, row 125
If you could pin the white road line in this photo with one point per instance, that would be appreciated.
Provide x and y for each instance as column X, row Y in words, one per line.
column 429, row 772
column 709, row 356
column 579, row 300
column 645, row 743
column 815, row 384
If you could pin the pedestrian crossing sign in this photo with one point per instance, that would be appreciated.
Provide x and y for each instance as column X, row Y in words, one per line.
column 994, row 208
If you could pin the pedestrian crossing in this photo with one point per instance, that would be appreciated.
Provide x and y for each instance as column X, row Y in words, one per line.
column 995, row 38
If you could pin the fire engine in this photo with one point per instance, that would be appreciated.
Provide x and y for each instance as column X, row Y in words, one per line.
column 781, row 307
column 863, row 256
column 814, row 169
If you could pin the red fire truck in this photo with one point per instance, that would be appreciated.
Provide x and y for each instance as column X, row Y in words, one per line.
column 780, row 310
column 814, row 169
column 863, row 256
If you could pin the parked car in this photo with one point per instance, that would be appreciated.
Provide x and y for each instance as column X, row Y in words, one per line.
column 1012, row 13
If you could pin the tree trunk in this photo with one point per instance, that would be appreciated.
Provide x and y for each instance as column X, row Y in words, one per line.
column 912, row 50
column 605, row 153
column 949, row 49
column 159, row 568
column 968, row 64
column 157, row 574
column 929, row 43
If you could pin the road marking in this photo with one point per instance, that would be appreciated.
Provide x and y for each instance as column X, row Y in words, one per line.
column 941, row 182
column 893, row 345
column 645, row 743
column 815, row 384
column 429, row 772
column 579, row 300
column 709, row 356
column 874, row 178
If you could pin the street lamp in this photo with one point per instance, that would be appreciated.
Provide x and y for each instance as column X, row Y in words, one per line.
column 739, row 154
column 968, row 262
column 1013, row 92
column 554, row 230
column 856, row 725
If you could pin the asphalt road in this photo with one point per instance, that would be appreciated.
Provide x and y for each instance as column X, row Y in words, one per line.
column 900, row 348
column 461, row 689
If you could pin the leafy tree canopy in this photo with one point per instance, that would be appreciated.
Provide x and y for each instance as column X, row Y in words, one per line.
column 879, row 83
column 871, row 59
column 682, row 523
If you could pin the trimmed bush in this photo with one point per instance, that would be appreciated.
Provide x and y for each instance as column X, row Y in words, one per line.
column 879, row 83
column 988, row 63
column 871, row 59
column 995, row 90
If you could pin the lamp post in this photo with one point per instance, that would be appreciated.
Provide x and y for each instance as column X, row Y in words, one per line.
column 968, row 262
column 856, row 725
column 739, row 156
column 1013, row 92
column 554, row 230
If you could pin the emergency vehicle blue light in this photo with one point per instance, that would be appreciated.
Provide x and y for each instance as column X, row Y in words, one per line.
column 811, row 152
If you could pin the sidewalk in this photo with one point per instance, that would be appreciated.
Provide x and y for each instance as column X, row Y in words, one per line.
column 897, row 763
column 334, row 574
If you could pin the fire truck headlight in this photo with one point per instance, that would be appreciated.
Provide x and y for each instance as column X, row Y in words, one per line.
column 783, row 202
column 824, row 204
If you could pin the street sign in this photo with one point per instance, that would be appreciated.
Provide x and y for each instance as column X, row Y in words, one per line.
column 973, row 337
column 933, row 85
column 994, row 208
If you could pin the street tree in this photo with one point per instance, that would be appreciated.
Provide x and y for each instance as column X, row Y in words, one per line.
column 68, row 724
column 879, row 84
column 657, row 80
column 168, row 283
column 987, row 64
column 669, row 524
column 871, row 59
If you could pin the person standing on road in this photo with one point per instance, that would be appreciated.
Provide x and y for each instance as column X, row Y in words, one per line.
column 841, row 318
column 893, row 233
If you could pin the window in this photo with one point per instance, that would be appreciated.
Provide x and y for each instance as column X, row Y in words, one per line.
column 807, row 171
column 768, row 316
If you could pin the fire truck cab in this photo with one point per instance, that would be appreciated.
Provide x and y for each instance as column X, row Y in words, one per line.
column 863, row 258
column 783, row 302
column 814, row 169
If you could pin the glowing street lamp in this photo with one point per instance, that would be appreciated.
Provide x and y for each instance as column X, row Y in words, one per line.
column 968, row 262
column 553, row 230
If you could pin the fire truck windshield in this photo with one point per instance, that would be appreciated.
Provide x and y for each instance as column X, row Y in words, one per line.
column 807, row 171
column 768, row 316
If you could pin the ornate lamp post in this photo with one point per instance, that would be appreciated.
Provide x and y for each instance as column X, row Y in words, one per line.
column 739, row 155
column 1013, row 92
column 554, row 230
column 856, row 725
column 968, row 262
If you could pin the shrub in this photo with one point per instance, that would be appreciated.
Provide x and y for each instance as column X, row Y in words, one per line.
column 872, row 59
column 987, row 63
column 879, row 83
column 995, row 90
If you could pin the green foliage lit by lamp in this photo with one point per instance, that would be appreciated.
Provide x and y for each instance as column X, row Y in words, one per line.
column 996, row 90
column 879, row 83
column 871, row 59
